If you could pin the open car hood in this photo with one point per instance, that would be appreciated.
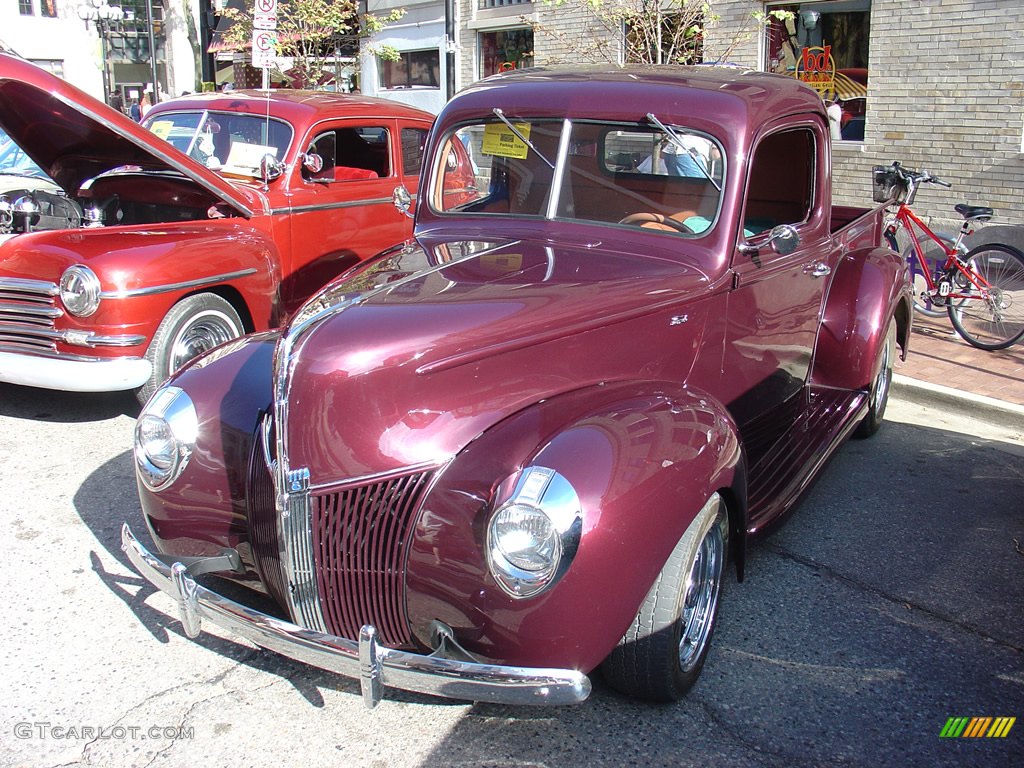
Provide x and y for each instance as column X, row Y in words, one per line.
column 73, row 137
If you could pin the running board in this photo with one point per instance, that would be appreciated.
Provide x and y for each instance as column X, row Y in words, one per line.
column 791, row 465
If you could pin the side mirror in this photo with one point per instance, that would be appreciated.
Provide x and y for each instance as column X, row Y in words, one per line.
column 784, row 239
column 270, row 168
column 403, row 201
column 312, row 162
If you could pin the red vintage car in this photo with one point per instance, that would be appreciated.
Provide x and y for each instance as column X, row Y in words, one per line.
column 523, row 448
column 147, row 252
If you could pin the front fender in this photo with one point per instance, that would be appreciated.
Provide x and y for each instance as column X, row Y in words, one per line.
column 643, row 458
column 869, row 287
column 205, row 510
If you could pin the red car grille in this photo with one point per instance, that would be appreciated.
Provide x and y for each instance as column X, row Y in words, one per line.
column 360, row 538
column 27, row 313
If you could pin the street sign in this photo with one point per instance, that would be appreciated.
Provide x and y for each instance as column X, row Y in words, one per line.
column 263, row 53
column 264, row 35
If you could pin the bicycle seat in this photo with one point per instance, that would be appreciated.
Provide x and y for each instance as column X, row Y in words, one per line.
column 978, row 212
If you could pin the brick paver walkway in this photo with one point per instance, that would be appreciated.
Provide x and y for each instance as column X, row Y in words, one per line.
column 939, row 356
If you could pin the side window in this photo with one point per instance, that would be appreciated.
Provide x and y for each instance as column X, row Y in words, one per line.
column 781, row 186
column 413, row 143
column 362, row 153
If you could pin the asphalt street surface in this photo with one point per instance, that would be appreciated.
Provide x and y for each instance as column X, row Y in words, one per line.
column 891, row 600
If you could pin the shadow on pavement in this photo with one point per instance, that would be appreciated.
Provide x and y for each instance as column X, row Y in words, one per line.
column 65, row 407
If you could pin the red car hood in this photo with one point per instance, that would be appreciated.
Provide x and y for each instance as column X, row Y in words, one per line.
column 419, row 352
column 74, row 137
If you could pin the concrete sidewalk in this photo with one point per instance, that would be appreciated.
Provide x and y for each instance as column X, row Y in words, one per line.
column 943, row 367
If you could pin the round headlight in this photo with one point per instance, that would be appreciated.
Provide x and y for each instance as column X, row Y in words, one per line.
column 525, row 537
column 80, row 290
column 165, row 436
column 533, row 535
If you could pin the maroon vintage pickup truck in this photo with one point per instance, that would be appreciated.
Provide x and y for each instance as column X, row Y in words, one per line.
column 523, row 447
column 141, row 253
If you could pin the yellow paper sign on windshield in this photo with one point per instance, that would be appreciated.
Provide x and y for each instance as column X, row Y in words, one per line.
column 162, row 128
column 500, row 141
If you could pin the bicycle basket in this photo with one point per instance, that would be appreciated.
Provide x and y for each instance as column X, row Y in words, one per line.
column 887, row 187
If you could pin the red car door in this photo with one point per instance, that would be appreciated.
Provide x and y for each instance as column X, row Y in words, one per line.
column 343, row 212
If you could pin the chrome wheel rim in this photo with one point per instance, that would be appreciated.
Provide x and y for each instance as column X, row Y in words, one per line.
column 701, row 601
column 202, row 333
column 884, row 378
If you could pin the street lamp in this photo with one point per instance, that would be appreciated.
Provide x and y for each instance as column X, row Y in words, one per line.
column 104, row 16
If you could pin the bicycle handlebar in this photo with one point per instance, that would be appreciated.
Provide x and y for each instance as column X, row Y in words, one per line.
column 917, row 177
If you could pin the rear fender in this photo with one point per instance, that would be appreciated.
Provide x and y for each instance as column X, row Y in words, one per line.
column 643, row 459
column 867, row 290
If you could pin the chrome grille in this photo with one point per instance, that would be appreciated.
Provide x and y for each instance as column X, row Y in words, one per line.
column 360, row 540
column 27, row 313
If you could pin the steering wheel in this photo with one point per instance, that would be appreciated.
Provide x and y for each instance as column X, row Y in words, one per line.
column 656, row 218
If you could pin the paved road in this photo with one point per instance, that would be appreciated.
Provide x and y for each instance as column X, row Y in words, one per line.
column 890, row 601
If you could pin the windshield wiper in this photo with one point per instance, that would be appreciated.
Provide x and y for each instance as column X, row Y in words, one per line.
column 690, row 151
column 501, row 116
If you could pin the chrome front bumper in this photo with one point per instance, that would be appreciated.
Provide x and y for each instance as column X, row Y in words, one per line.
column 373, row 664
column 72, row 374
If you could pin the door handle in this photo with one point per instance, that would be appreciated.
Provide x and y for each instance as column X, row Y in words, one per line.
column 818, row 269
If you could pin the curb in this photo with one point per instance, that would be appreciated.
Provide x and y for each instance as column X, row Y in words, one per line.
column 981, row 407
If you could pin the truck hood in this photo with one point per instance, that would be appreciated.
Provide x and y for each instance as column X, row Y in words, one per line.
column 73, row 137
column 406, row 360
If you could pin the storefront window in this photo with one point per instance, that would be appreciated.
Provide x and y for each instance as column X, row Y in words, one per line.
column 825, row 44
column 504, row 50
column 414, row 69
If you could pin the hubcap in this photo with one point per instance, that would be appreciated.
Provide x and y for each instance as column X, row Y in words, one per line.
column 884, row 377
column 701, row 597
column 202, row 334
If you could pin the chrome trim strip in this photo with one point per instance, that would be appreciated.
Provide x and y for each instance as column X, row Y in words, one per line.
column 168, row 287
column 42, row 287
column 47, row 313
column 384, row 667
column 376, row 477
column 331, row 206
column 295, row 536
column 76, row 338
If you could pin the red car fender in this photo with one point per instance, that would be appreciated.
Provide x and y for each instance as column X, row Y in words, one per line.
column 643, row 459
column 865, row 293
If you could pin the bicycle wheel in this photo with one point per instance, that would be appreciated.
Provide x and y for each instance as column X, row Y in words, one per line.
column 992, row 318
column 935, row 259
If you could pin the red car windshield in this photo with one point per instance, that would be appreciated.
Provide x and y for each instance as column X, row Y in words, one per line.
column 224, row 141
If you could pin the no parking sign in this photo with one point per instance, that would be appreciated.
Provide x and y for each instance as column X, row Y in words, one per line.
column 264, row 33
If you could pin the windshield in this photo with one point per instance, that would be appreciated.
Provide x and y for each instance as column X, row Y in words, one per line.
column 630, row 175
column 224, row 141
column 14, row 161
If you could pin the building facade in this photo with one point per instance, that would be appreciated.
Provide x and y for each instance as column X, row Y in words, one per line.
column 944, row 91
column 420, row 75
column 120, row 46
column 935, row 84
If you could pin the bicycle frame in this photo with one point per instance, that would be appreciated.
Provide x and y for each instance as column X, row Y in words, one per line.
column 904, row 217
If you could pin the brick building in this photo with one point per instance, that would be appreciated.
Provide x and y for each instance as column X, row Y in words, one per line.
column 945, row 91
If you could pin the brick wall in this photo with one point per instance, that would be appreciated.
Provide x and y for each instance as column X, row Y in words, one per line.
column 946, row 93
column 568, row 19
